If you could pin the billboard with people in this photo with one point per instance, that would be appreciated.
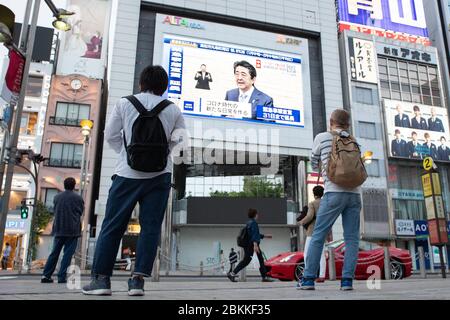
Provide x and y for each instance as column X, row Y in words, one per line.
column 228, row 81
column 416, row 131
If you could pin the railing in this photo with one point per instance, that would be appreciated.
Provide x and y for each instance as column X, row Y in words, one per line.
column 65, row 121
column 63, row 163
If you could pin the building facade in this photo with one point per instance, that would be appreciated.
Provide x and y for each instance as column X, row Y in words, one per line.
column 227, row 168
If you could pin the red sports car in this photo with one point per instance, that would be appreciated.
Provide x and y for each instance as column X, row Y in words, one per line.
column 290, row 265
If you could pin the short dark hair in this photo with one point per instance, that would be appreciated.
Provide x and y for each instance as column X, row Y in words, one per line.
column 252, row 213
column 247, row 65
column 154, row 79
column 341, row 117
column 203, row 65
column 413, row 133
column 69, row 183
column 7, row 244
column 318, row 191
column 426, row 135
column 416, row 108
column 443, row 138
column 397, row 131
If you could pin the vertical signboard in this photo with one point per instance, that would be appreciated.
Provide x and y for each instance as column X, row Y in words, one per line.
column 362, row 60
column 83, row 49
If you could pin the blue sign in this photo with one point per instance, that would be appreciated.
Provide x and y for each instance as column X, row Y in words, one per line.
column 393, row 15
column 189, row 106
column 277, row 114
column 175, row 70
column 421, row 228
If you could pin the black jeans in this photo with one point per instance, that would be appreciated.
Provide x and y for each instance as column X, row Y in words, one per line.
column 248, row 258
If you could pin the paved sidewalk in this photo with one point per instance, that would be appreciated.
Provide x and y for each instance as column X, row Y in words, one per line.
column 23, row 288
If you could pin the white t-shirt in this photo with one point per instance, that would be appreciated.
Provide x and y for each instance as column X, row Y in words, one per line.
column 122, row 119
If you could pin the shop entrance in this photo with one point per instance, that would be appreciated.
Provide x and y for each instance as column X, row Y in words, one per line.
column 16, row 255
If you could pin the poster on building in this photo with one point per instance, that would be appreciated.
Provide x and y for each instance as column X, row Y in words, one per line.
column 227, row 81
column 362, row 60
column 83, row 49
column 417, row 131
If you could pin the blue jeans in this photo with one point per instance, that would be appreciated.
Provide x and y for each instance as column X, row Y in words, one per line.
column 331, row 206
column 125, row 193
column 70, row 245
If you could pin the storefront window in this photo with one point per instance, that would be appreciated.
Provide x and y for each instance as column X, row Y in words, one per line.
column 405, row 186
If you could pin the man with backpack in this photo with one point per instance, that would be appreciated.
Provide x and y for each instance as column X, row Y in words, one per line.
column 308, row 223
column 249, row 238
column 338, row 156
column 141, row 129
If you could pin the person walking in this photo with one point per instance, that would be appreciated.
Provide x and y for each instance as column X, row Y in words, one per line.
column 68, row 209
column 232, row 258
column 143, row 129
column 308, row 222
column 343, row 171
column 251, row 248
column 5, row 256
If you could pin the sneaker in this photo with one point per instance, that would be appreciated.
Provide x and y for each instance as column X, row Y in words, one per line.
column 267, row 279
column 231, row 276
column 305, row 284
column 46, row 280
column 135, row 286
column 99, row 286
column 347, row 284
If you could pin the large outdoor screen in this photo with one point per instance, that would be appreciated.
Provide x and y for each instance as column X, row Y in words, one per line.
column 416, row 131
column 227, row 81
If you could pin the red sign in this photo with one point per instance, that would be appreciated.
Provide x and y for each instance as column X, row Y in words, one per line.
column 13, row 77
column 436, row 227
column 384, row 33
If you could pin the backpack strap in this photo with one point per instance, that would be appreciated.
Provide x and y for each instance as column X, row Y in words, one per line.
column 159, row 107
column 137, row 104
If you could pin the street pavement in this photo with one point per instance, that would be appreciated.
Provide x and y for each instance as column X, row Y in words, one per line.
column 28, row 287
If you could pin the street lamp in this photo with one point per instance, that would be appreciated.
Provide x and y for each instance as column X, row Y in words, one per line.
column 60, row 22
column 6, row 24
column 86, row 127
column 5, row 34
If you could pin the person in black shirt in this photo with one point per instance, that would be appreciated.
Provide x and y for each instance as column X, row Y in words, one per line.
column 203, row 78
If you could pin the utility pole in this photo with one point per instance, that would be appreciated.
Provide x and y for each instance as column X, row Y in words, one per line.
column 18, row 114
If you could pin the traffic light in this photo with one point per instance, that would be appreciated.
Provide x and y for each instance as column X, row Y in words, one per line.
column 23, row 210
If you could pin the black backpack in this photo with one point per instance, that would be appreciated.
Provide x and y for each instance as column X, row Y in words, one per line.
column 148, row 149
column 243, row 237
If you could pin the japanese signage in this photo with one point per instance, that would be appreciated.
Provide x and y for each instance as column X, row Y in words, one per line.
column 404, row 227
column 13, row 77
column 405, row 53
column 399, row 20
column 421, row 229
column 362, row 60
column 438, row 231
column 230, row 81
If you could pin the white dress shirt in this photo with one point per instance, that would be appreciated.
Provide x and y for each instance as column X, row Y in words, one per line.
column 122, row 119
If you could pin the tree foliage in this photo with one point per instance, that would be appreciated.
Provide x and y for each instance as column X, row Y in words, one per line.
column 254, row 187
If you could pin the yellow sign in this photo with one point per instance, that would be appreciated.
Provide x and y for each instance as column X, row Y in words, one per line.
column 431, row 212
column 134, row 228
column 426, row 183
column 428, row 163
column 436, row 184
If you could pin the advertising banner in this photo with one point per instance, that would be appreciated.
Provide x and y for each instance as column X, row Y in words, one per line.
column 404, row 227
column 399, row 20
column 417, row 131
column 13, row 78
column 363, row 60
column 227, row 81
column 83, row 49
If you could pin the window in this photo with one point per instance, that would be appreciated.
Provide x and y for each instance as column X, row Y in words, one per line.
column 70, row 114
column 367, row 130
column 50, row 194
column 65, row 155
column 409, row 81
column 34, row 86
column 373, row 169
column 28, row 123
column 364, row 95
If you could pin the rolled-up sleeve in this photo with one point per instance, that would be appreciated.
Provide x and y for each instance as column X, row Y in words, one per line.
column 113, row 129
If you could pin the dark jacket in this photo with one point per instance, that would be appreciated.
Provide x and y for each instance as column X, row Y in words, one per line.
column 435, row 125
column 68, row 209
column 403, row 122
column 253, row 229
column 443, row 153
column 422, row 125
column 399, row 149
column 203, row 83
column 258, row 98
